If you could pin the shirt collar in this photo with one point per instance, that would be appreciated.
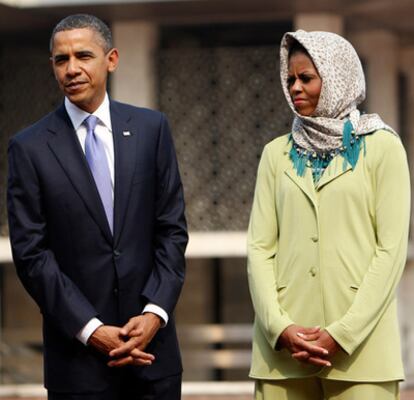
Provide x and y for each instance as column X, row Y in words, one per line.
column 77, row 115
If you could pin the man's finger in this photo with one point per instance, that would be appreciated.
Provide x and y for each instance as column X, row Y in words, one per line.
column 136, row 353
column 139, row 361
column 136, row 332
column 122, row 362
column 137, row 357
column 128, row 327
column 124, row 348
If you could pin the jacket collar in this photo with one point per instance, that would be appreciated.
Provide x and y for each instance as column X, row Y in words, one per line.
column 305, row 183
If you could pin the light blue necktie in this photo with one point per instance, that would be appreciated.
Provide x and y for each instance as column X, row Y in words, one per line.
column 98, row 163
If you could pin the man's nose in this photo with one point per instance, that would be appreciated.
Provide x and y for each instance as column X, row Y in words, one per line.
column 72, row 67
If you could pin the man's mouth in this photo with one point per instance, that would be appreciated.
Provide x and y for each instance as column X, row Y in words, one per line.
column 73, row 86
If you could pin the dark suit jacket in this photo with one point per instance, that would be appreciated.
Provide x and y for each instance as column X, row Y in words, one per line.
column 66, row 256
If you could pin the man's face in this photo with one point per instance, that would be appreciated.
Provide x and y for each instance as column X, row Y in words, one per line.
column 81, row 66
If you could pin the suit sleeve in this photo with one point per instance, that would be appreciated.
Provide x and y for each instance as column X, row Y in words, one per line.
column 165, row 282
column 392, row 209
column 59, row 299
column 262, row 247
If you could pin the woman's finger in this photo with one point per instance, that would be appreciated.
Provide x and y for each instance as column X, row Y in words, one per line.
column 308, row 337
column 312, row 349
column 301, row 355
column 320, row 362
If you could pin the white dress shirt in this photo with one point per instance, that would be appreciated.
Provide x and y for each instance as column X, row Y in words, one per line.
column 103, row 131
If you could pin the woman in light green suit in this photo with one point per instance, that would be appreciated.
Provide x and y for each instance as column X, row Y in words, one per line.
column 327, row 238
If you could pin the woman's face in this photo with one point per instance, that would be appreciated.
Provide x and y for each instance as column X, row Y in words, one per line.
column 304, row 83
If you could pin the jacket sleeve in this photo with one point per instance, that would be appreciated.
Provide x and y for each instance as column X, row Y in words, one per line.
column 392, row 216
column 262, row 247
column 165, row 282
column 59, row 299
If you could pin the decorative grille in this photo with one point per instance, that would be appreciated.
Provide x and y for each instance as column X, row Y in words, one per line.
column 28, row 92
column 224, row 104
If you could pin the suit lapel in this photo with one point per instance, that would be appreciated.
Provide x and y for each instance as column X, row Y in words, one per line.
column 334, row 170
column 305, row 183
column 125, row 150
column 65, row 145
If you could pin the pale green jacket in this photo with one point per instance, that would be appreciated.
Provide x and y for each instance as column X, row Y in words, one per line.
column 330, row 254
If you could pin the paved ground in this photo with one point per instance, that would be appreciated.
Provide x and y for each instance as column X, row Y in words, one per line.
column 406, row 395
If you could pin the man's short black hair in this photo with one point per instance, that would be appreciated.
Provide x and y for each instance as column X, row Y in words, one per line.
column 80, row 21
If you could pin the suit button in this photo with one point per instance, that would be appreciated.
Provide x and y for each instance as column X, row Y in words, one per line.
column 312, row 271
column 115, row 291
column 117, row 253
column 314, row 239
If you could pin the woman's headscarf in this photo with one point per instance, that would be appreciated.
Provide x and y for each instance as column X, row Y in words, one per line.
column 336, row 123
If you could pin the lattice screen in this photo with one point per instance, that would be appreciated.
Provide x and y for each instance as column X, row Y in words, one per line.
column 224, row 105
column 28, row 91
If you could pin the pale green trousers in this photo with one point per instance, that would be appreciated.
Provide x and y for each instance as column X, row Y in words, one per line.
column 323, row 389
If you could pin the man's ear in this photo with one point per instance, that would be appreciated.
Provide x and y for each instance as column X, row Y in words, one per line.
column 113, row 59
column 52, row 66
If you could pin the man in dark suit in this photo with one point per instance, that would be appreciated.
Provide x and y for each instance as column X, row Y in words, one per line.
column 97, row 226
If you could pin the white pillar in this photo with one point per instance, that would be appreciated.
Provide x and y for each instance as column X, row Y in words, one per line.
column 406, row 62
column 135, row 81
column 381, row 68
column 405, row 292
column 319, row 22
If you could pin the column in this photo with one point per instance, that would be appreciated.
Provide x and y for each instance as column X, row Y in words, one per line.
column 406, row 63
column 405, row 291
column 381, row 72
column 135, row 81
column 319, row 22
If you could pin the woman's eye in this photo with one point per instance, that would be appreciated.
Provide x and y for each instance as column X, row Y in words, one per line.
column 290, row 81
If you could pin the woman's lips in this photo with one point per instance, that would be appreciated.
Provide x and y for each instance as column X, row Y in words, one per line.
column 298, row 102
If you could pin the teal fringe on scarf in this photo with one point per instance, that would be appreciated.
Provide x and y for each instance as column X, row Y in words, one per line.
column 350, row 149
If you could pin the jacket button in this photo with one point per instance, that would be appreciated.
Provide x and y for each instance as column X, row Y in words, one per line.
column 117, row 253
column 115, row 291
column 313, row 271
column 314, row 239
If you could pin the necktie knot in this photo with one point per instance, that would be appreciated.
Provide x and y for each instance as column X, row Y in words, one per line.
column 91, row 123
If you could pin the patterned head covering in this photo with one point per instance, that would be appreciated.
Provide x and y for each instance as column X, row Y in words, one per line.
column 343, row 89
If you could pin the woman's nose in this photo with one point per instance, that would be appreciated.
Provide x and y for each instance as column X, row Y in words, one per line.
column 296, row 86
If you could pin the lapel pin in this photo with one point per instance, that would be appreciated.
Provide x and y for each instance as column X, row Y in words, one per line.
column 126, row 133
